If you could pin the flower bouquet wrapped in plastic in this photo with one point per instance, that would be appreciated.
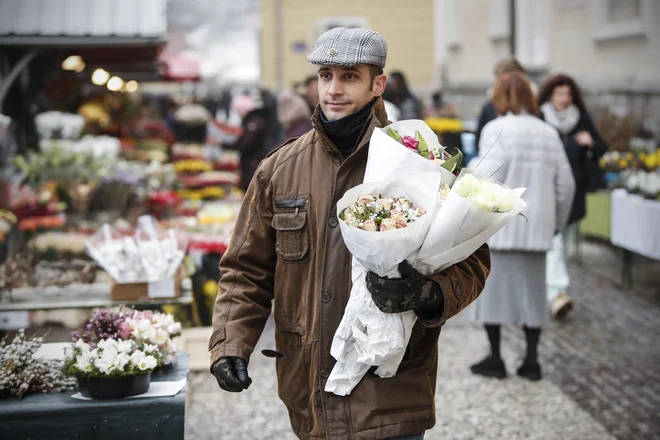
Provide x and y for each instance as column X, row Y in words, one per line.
column 464, row 213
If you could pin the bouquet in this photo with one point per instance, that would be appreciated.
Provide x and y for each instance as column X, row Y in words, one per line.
column 111, row 358
column 123, row 324
column 380, row 214
column 463, row 212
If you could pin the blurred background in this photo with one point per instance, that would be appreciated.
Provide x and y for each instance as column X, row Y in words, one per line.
column 115, row 109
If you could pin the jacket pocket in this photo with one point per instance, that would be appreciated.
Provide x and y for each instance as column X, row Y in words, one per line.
column 290, row 222
column 292, row 385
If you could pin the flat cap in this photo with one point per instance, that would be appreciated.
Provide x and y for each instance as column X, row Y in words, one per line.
column 349, row 47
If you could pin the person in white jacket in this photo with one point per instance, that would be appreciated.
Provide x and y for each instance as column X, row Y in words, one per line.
column 520, row 150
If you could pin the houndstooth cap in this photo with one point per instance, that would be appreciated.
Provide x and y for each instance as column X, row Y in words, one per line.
column 349, row 47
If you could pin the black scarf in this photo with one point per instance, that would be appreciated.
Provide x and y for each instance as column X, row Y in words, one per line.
column 345, row 132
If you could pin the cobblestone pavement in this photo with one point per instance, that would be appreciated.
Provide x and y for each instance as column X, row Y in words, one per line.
column 601, row 366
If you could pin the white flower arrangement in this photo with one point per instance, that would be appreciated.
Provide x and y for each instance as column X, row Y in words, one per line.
column 156, row 329
column 112, row 358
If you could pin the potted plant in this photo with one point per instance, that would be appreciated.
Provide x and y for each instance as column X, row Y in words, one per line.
column 112, row 369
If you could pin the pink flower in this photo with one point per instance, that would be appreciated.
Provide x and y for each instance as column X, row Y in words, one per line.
column 148, row 314
column 431, row 155
column 410, row 143
column 124, row 331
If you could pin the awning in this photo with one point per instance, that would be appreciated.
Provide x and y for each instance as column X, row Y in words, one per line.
column 82, row 23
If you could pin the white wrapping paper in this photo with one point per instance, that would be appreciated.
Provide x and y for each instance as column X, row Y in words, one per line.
column 449, row 233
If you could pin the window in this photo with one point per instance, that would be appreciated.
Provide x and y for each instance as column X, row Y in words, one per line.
column 614, row 19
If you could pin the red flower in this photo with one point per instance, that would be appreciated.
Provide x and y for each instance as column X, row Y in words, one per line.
column 410, row 143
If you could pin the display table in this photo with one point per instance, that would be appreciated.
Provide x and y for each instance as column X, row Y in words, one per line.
column 635, row 224
column 634, row 227
column 80, row 296
column 59, row 416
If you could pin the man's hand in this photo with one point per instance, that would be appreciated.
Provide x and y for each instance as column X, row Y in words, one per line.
column 412, row 291
column 231, row 374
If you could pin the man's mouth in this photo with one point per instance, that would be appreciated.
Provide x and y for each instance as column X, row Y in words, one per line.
column 337, row 104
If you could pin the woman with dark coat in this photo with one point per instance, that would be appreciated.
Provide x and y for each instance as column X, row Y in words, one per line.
column 562, row 106
column 253, row 143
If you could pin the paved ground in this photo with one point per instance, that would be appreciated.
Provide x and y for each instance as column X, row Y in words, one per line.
column 602, row 373
column 601, row 366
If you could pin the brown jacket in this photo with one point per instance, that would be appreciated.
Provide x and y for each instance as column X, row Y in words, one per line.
column 287, row 247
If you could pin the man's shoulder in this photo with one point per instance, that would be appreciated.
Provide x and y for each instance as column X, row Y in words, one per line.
column 282, row 154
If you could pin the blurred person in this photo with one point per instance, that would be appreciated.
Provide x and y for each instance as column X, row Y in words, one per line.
column 562, row 107
column 275, row 133
column 287, row 247
column 488, row 112
column 311, row 92
column 529, row 154
column 293, row 114
column 253, row 142
column 408, row 104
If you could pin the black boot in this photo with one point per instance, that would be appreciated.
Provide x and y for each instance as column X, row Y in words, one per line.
column 530, row 370
column 490, row 367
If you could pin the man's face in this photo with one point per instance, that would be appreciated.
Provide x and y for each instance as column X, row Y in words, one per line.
column 344, row 90
column 312, row 91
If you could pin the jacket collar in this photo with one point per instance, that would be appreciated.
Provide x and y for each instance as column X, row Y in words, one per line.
column 378, row 119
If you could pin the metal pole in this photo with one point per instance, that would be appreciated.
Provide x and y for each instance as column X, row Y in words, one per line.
column 13, row 74
column 279, row 61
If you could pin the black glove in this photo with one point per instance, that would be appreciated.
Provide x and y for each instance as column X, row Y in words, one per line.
column 231, row 374
column 412, row 291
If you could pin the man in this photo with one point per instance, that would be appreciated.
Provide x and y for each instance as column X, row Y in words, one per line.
column 287, row 246
column 311, row 92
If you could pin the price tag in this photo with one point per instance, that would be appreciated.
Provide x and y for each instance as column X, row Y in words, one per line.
column 161, row 289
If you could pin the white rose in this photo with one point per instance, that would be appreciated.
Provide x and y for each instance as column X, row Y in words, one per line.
column 399, row 218
column 147, row 363
column 466, row 185
column 403, row 203
column 494, row 197
column 352, row 222
column 370, row 225
column 365, row 199
column 387, row 225
column 386, row 203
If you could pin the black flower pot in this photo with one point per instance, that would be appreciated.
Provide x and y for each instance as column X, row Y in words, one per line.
column 114, row 388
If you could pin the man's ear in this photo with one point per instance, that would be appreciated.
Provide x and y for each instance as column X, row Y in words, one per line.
column 380, row 82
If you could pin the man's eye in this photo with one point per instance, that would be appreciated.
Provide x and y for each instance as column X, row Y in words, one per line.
column 350, row 76
column 325, row 76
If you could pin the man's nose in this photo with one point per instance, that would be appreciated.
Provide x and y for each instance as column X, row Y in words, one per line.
column 335, row 87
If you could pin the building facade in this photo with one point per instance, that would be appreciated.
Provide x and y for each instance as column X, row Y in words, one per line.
column 290, row 28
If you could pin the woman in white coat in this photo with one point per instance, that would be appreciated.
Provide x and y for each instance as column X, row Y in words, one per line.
column 520, row 150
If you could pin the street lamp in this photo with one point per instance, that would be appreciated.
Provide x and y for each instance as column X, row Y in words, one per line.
column 74, row 62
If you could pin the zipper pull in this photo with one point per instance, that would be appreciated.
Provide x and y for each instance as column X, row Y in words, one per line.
column 297, row 210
